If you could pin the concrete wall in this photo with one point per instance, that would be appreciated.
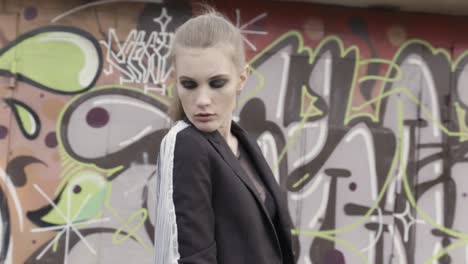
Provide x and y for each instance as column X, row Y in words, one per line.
column 361, row 114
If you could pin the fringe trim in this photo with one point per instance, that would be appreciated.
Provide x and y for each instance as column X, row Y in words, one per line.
column 165, row 237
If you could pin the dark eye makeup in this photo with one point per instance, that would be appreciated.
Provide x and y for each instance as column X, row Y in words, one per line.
column 187, row 84
column 217, row 83
column 213, row 83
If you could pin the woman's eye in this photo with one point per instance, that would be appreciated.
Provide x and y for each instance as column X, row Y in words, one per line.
column 189, row 84
column 218, row 83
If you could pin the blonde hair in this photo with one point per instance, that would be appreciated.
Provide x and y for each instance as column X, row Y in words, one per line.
column 207, row 30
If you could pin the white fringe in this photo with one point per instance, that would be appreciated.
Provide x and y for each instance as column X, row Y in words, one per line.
column 165, row 227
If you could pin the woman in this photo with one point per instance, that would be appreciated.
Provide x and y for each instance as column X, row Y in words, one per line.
column 218, row 201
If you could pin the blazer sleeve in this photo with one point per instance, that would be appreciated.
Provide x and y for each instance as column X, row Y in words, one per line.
column 192, row 196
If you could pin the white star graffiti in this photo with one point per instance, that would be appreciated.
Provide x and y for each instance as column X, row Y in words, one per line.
column 66, row 228
column 245, row 31
column 407, row 219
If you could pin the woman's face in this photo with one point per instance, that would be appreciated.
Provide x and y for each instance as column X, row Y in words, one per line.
column 207, row 85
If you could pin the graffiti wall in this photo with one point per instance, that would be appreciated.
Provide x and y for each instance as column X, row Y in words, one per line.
column 360, row 113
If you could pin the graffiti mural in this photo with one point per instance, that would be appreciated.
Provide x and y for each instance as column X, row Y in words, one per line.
column 364, row 187
column 362, row 120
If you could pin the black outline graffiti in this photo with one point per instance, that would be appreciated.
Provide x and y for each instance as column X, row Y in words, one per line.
column 67, row 29
column 12, row 102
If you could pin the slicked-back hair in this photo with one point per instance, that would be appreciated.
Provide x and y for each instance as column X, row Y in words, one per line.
column 207, row 30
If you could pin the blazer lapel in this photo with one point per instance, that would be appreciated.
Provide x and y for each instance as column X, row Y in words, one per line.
column 267, row 176
column 218, row 142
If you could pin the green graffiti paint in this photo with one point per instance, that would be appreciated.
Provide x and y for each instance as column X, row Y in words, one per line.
column 377, row 100
column 125, row 223
column 82, row 199
column 392, row 66
column 334, row 239
column 56, row 60
column 26, row 118
column 301, row 180
column 71, row 165
column 407, row 186
column 141, row 216
column 305, row 95
column 293, row 137
column 311, row 110
column 461, row 115
column 256, row 89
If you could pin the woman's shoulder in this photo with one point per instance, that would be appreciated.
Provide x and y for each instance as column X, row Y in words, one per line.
column 183, row 143
column 184, row 133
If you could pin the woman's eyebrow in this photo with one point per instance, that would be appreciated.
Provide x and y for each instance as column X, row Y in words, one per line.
column 185, row 77
column 218, row 76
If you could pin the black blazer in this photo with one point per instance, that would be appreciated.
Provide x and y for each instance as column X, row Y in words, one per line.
column 220, row 217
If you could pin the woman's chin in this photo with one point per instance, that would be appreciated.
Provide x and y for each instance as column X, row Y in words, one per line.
column 207, row 127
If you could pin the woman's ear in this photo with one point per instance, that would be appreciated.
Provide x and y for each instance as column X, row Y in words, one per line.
column 172, row 73
column 171, row 82
column 243, row 78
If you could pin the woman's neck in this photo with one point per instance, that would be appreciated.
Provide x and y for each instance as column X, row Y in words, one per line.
column 231, row 140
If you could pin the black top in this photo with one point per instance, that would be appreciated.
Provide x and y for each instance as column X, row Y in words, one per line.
column 249, row 168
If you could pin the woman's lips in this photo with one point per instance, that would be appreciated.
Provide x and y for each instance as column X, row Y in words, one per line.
column 204, row 117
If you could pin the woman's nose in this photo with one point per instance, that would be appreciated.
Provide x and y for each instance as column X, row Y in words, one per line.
column 203, row 98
